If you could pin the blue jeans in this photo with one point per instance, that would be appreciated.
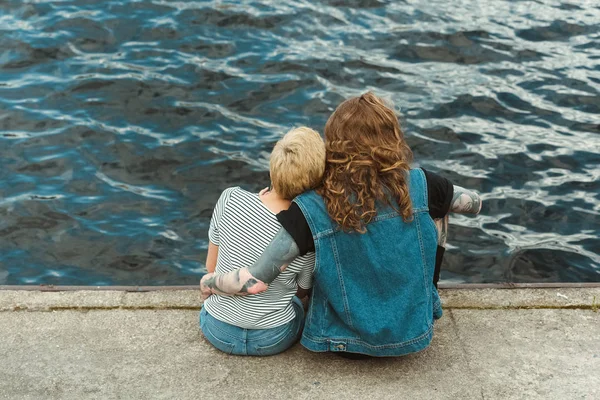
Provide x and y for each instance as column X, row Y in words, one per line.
column 232, row 339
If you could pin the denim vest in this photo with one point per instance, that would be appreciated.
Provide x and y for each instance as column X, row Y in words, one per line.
column 373, row 293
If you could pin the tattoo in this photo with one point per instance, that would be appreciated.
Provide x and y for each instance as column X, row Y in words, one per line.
column 211, row 283
column 465, row 201
column 238, row 282
column 281, row 251
column 442, row 227
column 247, row 287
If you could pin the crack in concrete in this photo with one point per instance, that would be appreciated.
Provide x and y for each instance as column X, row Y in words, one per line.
column 20, row 308
column 98, row 308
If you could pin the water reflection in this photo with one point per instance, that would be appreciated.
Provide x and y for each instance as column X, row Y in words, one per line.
column 121, row 123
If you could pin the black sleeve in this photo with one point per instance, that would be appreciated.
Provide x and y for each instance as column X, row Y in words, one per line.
column 295, row 224
column 440, row 192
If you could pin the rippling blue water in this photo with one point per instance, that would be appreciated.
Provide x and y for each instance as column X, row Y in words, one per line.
column 121, row 122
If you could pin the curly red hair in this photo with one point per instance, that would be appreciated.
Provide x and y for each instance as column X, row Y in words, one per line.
column 367, row 161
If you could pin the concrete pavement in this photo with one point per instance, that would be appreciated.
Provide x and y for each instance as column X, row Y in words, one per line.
column 490, row 344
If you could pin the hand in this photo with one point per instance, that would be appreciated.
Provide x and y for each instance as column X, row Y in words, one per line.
column 205, row 291
column 264, row 192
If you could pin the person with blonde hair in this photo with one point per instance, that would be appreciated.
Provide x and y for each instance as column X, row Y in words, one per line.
column 378, row 228
column 242, row 225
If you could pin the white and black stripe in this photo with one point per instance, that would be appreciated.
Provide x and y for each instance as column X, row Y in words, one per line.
column 242, row 226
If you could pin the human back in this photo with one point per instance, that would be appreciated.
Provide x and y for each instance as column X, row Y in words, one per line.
column 243, row 226
column 373, row 292
column 377, row 243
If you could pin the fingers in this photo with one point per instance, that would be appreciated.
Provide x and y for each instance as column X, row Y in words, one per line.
column 205, row 291
column 263, row 192
column 258, row 287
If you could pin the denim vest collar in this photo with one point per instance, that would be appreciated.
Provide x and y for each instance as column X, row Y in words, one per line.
column 373, row 293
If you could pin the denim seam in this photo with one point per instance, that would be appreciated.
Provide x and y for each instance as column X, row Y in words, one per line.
column 271, row 331
column 423, row 262
column 222, row 331
column 323, row 315
column 287, row 335
column 427, row 218
column 309, row 220
column 431, row 223
column 424, row 184
column 384, row 346
column 386, row 217
column 341, row 281
column 325, row 233
column 309, row 316
column 317, row 244
column 329, row 232
column 213, row 336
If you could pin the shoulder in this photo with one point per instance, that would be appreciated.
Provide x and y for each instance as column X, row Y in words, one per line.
column 225, row 194
column 291, row 218
column 434, row 180
column 233, row 192
column 225, row 198
column 236, row 197
column 310, row 201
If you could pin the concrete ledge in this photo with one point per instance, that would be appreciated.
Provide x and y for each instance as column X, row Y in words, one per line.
column 584, row 298
column 490, row 344
column 17, row 300
column 14, row 300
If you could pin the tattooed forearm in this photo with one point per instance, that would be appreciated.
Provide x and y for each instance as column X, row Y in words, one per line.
column 249, row 287
column 238, row 282
column 442, row 227
column 465, row 201
column 281, row 251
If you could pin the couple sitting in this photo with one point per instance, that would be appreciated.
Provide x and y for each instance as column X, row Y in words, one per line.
column 350, row 219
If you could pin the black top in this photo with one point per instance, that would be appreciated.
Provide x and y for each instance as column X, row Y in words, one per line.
column 440, row 191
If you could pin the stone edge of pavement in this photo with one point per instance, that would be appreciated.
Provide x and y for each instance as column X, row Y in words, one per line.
column 528, row 298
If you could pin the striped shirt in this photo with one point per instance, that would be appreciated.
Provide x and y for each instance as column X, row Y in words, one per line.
column 242, row 226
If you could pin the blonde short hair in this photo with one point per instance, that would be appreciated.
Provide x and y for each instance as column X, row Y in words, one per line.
column 297, row 162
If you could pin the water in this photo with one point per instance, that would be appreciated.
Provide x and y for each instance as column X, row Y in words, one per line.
column 121, row 123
